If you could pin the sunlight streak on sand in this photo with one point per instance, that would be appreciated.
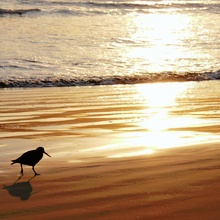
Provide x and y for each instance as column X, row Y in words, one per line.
column 162, row 125
column 160, row 101
column 123, row 121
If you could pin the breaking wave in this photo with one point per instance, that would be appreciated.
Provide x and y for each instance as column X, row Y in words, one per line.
column 78, row 8
column 18, row 11
column 144, row 5
column 84, row 7
column 93, row 81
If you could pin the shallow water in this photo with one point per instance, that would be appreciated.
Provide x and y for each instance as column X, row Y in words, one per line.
column 68, row 43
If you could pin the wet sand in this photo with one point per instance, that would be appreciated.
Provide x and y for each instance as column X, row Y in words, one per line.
column 118, row 152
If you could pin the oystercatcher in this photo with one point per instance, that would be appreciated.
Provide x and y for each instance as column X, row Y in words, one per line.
column 30, row 158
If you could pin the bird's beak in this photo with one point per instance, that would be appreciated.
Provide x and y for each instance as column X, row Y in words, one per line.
column 47, row 154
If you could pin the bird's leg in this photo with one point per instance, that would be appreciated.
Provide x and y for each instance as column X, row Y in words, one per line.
column 35, row 171
column 22, row 173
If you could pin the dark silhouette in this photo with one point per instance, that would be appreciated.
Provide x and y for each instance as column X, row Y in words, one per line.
column 22, row 190
column 30, row 158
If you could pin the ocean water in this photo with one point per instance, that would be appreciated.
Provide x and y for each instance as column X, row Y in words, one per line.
column 80, row 42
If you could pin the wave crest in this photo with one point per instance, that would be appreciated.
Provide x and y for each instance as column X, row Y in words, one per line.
column 18, row 11
column 92, row 81
column 144, row 5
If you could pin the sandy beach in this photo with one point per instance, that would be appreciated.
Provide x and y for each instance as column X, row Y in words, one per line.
column 147, row 151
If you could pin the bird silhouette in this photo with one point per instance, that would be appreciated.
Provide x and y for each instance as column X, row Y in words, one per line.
column 30, row 158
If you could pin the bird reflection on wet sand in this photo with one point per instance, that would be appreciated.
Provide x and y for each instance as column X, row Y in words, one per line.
column 23, row 190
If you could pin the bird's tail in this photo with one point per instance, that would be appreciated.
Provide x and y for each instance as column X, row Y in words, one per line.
column 13, row 161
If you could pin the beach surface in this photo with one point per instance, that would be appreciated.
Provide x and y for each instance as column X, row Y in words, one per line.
column 148, row 151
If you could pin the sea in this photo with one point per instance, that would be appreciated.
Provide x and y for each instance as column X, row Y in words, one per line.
column 50, row 43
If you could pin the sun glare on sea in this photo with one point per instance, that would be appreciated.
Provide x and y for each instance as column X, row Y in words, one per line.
column 158, row 40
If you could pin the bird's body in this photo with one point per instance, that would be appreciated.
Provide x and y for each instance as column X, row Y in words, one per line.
column 30, row 158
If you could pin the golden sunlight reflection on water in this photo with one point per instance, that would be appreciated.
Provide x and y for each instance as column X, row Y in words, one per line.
column 164, row 33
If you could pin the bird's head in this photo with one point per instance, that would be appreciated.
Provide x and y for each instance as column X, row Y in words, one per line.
column 41, row 149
